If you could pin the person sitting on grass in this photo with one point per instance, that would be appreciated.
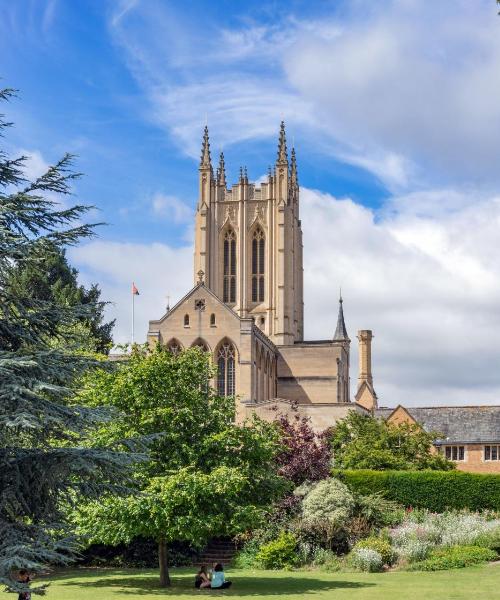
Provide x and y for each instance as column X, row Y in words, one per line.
column 218, row 579
column 24, row 577
column 201, row 577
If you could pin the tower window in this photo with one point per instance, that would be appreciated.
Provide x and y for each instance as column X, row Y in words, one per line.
column 212, row 320
column 186, row 320
column 229, row 285
column 225, row 370
column 258, row 261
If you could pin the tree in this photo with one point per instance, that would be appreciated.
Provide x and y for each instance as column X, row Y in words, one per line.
column 42, row 461
column 364, row 442
column 206, row 474
column 305, row 454
column 54, row 280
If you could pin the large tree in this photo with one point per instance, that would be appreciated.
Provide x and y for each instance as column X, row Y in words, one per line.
column 364, row 442
column 43, row 463
column 206, row 476
column 51, row 279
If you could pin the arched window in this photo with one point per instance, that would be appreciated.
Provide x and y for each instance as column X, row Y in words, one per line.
column 212, row 320
column 174, row 346
column 186, row 320
column 258, row 251
column 229, row 287
column 225, row 370
column 199, row 343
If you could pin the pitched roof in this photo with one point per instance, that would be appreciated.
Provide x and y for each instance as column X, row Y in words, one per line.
column 468, row 424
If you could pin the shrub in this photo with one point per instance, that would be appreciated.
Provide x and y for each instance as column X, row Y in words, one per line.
column 383, row 547
column 454, row 557
column 435, row 490
column 278, row 554
column 366, row 559
column 330, row 501
column 447, row 529
column 377, row 510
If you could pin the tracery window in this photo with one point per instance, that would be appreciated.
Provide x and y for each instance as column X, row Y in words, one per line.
column 229, row 285
column 174, row 347
column 258, row 252
column 226, row 370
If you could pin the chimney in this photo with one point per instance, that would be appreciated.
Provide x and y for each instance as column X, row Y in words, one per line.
column 365, row 356
column 366, row 396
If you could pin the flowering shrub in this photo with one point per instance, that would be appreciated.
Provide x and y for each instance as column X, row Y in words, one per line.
column 383, row 547
column 421, row 531
column 366, row 559
column 330, row 501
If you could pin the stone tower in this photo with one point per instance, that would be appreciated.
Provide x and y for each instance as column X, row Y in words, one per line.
column 248, row 243
column 365, row 394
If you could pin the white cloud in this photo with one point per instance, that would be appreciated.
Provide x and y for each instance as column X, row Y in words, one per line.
column 406, row 90
column 427, row 286
column 158, row 270
column 171, row 208
column 35, row 166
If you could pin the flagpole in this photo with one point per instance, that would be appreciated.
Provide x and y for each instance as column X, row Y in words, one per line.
column 133, row 314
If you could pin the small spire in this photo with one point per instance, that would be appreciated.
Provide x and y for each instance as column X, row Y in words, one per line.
column 341, row 331
column 205, row 161
column 168, row 303
column 269, row 173
column 282, row 152
column 241, row 174
column 293, row 169
column 245, row 174
column 221, row 177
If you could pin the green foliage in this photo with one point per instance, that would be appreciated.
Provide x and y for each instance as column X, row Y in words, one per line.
column 380, row 545
column 50, row 279
column 206, row 474
column 454, row 557
column 278, row 554
column 186, row 506
column 377, row 510
column 43, row 464
column 434, row 490
column 364, row 442
column 328, row 501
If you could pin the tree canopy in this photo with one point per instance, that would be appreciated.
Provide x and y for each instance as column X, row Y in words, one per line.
column 43, row 463
column 206, row 474
column 51, row 278
column 364, row 442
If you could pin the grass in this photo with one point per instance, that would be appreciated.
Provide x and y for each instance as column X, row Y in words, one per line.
column 114, row 584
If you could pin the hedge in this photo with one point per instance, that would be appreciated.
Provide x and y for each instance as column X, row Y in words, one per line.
column 434, row 490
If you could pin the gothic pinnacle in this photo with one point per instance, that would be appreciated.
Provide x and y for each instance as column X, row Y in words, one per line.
column 282, row 153
column 341, row 331
column 205, row 162
column 293, row 170
column 221, row 179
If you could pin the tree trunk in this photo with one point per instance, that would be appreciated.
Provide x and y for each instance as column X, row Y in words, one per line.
column 163, row 563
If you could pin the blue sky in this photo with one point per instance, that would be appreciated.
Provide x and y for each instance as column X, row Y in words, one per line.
column 393, row 108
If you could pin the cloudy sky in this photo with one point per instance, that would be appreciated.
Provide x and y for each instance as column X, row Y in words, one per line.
column 394, row 109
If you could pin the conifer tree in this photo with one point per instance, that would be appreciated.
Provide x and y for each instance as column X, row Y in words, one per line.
column 43, row 463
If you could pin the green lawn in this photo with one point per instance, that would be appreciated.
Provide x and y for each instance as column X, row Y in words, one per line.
column 97, row 584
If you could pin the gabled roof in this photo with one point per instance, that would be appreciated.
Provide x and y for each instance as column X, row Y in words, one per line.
column 196, row 288
column 466, row 424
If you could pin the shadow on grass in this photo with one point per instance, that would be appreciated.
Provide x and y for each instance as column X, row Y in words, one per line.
column 244, row 586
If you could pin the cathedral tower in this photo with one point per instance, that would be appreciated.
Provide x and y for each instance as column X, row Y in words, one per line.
column 248, row 243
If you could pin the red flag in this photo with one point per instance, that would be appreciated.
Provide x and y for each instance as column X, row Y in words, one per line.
column 135, row 291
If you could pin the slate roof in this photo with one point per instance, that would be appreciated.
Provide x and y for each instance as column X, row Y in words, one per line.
column 466, row 424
